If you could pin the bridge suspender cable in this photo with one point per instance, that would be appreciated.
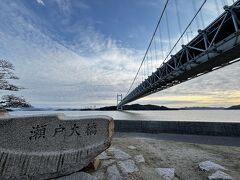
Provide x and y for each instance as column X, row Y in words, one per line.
column 165, row 6
column 164, row 9
column 195, row 10
column 193, row 59
column 185, row 30
column 178, row 18
column 217, row 7
column 168, row 32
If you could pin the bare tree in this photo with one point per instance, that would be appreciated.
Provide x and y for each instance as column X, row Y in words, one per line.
column 6, row 74
column 14, row 102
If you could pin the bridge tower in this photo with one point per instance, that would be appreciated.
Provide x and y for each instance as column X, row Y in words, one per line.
column 119, row 99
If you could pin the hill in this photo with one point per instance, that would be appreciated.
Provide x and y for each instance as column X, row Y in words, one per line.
column 137, row 107
column 202, row 108
column 234, row 107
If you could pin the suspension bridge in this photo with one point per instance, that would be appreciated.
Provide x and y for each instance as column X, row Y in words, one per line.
column 211, row 47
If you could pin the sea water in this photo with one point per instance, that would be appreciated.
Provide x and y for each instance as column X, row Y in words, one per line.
column 170, row 115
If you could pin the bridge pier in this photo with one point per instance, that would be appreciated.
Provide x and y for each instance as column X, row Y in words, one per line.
column 119, row 99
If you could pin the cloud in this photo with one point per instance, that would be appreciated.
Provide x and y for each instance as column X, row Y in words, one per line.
column 219, row 88
column 90, row 68
column 151, row 3
column 66, row 6
column 61, row 74
column 82, row 5
column 40, row 2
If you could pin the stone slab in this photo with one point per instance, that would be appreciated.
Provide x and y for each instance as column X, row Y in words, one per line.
column 128, row 166
column 219, row 175
column 209, row 166
column 103, row 156
column 118, row 153
column 47, row 146
column 166, row 173
column 139, row 159
column 99, row 175
column 107, row 162
column 132, row 147
column 113, row 173
column 78, row 176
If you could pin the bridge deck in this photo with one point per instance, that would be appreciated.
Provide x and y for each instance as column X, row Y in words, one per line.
column 214, row 47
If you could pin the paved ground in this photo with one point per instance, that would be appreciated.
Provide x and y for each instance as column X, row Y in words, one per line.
column 122, row 160
column 211, row 140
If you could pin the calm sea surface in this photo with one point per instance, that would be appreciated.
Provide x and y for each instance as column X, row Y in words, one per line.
column 180, row 115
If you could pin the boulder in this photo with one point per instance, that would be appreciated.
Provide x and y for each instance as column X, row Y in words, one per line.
column 48, row 146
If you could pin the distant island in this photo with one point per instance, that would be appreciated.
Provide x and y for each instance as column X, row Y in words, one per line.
column 202, row 108
column 151, row 107
column 234, row 107
column 135, row 107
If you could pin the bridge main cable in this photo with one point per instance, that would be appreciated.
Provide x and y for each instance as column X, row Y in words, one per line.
column 154, row 33
column 165, row 7
column 206, row 52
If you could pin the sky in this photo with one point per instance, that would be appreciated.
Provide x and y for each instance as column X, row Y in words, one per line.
column 82, row 53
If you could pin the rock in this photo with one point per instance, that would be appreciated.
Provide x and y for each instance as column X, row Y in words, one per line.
column 219, row 175
column 77, row 176
column 118, row 154
column 113, row 173
column 128, row 166
column 48, row 146
column 99, row 175
column 208, row 166
column 93, row 165
column 139, row 159
column 166, row 173
column 108, row 162
column 103, row 156
column 132, row 147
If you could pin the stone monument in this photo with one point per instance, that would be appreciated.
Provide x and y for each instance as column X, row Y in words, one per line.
column 48, row 146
